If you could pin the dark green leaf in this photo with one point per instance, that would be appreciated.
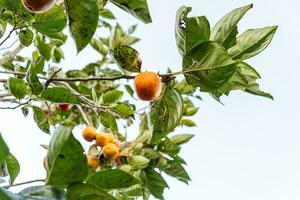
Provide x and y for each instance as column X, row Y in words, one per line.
column 108, row 120
column 137, row 8
column 252, row 42
column 124, row 110
column 4, row 151
column 166, row 113
column 41, row 119
column 83, row 20
column 17, row 87
column 190, row 31
column 60, row 95
column 43, row 193
column 84, row 191
column 26, row 37
column 176, row 170
column 13, row 167
column 112, row 179
column 129, row 90
column 155, row 183
column 208, row 66
column 67, row 162
column 225, row 30
column 112, row 96
column 34, row 84
column 181, row 139
column 127, row 58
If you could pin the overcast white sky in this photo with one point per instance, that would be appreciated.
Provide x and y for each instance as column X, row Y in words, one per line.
column 248, row 149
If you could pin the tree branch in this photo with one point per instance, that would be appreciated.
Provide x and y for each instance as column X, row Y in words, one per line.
column 24, row 183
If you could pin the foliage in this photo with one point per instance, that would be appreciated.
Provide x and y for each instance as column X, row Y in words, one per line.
column 213, row 61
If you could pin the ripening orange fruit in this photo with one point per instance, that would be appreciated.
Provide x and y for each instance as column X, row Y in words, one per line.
column 93, row 161
column 38, row 6
column 111, row 151
column 103, row 139
column 147, row 85
column 89, row 133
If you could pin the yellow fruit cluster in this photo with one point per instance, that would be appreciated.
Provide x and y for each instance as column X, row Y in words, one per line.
column 105, row 141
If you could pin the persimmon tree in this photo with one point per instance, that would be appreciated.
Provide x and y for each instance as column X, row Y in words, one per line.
column 114, row 167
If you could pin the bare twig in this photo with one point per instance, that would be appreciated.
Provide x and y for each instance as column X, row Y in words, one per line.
column 24, row 183
column 84, row 116
column 51, row 78
column 15, row 107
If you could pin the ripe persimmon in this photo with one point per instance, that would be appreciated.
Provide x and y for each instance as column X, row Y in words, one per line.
column 64, row 106
column 38, row 6
column 111, row 151
column 103, row 139
column 147, row 85
column 89, row 134
column 93, row 161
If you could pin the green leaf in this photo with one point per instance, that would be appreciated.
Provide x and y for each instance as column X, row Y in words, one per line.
column 60, row 95
column 83, row 191
column 17, row 87
column 155, row 183
column 34, row 84
column 108, row 120
column 176, row 170
column 190, row 31
column 112, row 96
column 41, row 119
column 50, row 22
column 137, row 8
column 181, row 139
column 225, row 30
column 138, row 161
column 169, row 147
column 187, row 122
column 124, row 110
column 44, row 48
column 166, row 113
column 67, row 162
column 208, row 66
column 129, row 90
column 83, row 20
column 112, row 179
column 7, row 195
column 252, row 42
column 4, row 151
column 243, row 79
column 127, row 58
column 184, row 88
column 26, row 37
column 13, row 167
column 107, row 14
column 2, row 28
column 43, row 193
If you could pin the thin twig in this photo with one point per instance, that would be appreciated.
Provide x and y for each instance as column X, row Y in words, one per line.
column 24, row 183
column 15, row 107
column 51, row 78
column 84, row 116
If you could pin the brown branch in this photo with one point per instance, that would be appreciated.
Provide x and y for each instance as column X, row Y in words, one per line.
column 15, row 107
column 23, row 183
column 9, row 34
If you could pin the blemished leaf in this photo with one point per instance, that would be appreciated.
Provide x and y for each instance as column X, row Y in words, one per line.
column 225, row 30
column 187, row 122
column 155, row 183
column 127, row 58
column 25, row 111
column 245, row 79
column 41, row 119
column 67, row 162
column 108, row 120
column 81, row 191
column 50, row 22
column 46, row 192
column 165, row 113
column 112, row 96
column 138, row 161
column 208, row 66
column 112, row 179
column 60, row 95
column 190, row 31
column 17, row 87
column 83, row 20
column 176, row 170
column 124, row 110
column 181, row 139
column 252, row 42
column 4, row 151
column 13, row 167
column 137, row 8
column 26, row 37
